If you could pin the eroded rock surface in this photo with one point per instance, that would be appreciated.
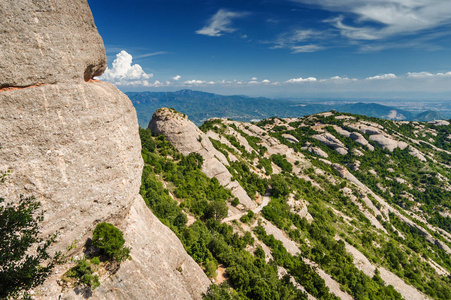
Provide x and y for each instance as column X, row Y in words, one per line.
column 47, row 42
column 75, row 146
column 332, row 142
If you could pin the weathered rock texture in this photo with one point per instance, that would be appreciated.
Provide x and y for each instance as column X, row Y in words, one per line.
column 74, row 145
column 187, row 138
column 48, row 41
column 76, row 149
column 332, row 142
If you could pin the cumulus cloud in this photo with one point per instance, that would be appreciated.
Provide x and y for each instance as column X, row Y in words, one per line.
column 125, row 73
column 338, row 79
column 383, row 77
column 177, row 77
column 300, row 79
column 393, row 17
column 221, row 23
column 194, row 82
column 447, row 74
column 419, row 74
column 266, row 81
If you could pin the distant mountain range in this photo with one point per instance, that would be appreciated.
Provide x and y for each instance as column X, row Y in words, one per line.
column 201, row 106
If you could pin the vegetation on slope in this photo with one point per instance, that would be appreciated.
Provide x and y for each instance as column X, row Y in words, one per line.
column 341, row 217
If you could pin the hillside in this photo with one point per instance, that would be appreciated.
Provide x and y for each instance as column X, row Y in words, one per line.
column 201, row 106
column 336, row 206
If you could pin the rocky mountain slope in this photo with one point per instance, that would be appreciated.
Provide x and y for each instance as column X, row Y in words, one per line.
column 361, row 202
column 73, row 144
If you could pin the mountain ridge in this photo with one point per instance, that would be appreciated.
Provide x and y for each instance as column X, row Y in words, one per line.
column 201, row 106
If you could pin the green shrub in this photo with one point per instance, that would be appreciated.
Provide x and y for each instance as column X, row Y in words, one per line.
column 83, row 272
column 210, row 268
column 244, row 218
column 95, row 260
column 110, row 240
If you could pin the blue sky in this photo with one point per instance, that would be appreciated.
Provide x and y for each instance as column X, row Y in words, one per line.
column 284, row 48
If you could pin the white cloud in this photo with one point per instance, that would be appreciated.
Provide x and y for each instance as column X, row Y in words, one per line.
column 150, row 54
column 253, row 82
column 306, row 48
column 125, row 73
column 300, row 79
column 254, row 78
column 293, row 38
column 419, row 74
column 338, row 79
column 177, row 77
column 220, row 23
column 447, row 74
column 266, row 81
column 394, row 17
column 383, row 77
column 194, row 82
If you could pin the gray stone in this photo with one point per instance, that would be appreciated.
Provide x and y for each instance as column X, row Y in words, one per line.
column 47, row 42
column 388, row 143
column 332, row 142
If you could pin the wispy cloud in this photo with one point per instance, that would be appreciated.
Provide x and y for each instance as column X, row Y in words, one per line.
column 382, row 20
column 306, row 48
column 150, row 54
column 376, row 25
column 300, row 40
column 221, row 23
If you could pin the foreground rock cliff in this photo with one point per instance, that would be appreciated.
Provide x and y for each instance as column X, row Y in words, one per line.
column 73, row 143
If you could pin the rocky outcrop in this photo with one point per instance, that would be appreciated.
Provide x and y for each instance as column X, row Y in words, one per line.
column 73, row 143
column 366, row 129
column 388, row 143
column 355, row 136
column 439, row 123
column 315, row 150
column 290, row 138
column 48, row 42
column 332, row 142
column 187, row 138
column 416, row 153
column 75, row 147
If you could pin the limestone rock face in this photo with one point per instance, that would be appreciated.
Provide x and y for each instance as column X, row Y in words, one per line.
column 48, row 41
column 75, row 146
column 187, row 138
